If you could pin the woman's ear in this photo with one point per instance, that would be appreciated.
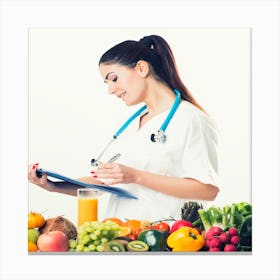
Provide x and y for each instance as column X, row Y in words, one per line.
column 142, row 68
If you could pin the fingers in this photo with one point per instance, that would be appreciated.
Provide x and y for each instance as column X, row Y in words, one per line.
column 108, row 168
column 113, row 172
column 32, row 175
column 32, row 171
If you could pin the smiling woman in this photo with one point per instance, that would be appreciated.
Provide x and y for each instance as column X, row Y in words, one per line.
column 164, row 171
column 68, row 69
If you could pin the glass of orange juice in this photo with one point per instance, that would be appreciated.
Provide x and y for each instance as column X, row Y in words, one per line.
column 87, row 205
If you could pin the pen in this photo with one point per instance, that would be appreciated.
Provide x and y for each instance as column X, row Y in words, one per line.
column 114, row 158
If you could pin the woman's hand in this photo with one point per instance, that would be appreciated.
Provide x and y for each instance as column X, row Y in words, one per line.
column 59, row 187
column 90, row 180
column 42, row 182
column 117, row 173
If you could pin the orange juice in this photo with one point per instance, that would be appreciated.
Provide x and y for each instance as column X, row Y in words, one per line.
column 87, row 210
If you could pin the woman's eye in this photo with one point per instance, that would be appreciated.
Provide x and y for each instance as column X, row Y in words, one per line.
column 115, row 79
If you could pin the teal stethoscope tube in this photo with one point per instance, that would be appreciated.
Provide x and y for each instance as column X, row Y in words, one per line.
column 160, row 137
column 165, row 123
column 127, row 123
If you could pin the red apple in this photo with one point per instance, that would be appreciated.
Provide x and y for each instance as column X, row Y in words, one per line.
column 53, row 241
column 180, row 223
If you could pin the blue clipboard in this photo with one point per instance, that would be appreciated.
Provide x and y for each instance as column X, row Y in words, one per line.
column 113, row 190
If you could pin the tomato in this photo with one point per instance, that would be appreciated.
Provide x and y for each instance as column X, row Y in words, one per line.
column 162, row 226
column 35, row 220
column 136, row 233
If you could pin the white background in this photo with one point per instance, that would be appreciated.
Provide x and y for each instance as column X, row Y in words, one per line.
column 72, row 117
column 16, row 19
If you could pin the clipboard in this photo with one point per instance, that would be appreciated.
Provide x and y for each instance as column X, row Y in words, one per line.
column 113, row 190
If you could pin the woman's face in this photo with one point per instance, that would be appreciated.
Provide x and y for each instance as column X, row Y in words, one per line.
column 126, row 83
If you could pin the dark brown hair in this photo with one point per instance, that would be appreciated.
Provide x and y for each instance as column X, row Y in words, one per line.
column 156, row 51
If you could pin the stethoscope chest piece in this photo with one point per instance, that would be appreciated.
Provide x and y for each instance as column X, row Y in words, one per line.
column 159, row 137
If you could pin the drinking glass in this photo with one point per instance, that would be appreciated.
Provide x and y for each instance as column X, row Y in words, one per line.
column 87, row 205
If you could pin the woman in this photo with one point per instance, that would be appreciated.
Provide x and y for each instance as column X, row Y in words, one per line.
column 162, row 175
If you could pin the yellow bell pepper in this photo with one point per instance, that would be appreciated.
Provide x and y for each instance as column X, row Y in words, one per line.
column 185, row 239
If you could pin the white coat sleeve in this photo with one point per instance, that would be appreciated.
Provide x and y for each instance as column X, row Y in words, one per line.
column 200, row 155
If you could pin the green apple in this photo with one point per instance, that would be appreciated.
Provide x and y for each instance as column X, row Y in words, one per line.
column 33, row 235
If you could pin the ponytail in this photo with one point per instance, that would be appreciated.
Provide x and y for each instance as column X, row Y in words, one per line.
column 156, row 51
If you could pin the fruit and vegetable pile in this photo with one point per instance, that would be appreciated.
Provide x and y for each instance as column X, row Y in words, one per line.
column 214, row 229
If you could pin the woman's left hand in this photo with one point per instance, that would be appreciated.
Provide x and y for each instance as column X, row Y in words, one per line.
column 117, row 173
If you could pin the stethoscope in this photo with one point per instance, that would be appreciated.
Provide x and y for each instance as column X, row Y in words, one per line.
column 159, row 137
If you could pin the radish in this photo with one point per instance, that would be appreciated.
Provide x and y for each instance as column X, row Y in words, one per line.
column 224, row 237
column 229, row 248
column 235, row 240
column 213, row 231
column 216, row 230
column 214, row 249
column 215, row 242
column 207, row 243
column 233, row 231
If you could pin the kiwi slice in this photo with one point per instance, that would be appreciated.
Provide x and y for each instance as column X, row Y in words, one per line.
column 137, row 246
column 114, row 246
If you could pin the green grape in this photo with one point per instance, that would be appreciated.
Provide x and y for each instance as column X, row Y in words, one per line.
column 91, row 247
column 86, row 239
column 80, row 248
column 81, row 230
column 107, row 227
column 95, row 224
column 96, row 242
column 104, row 240
column 86, row 249
column 101, row 227
column 72, row 243
column 100, row 248
column 104, row 233
column 72, row 250
column 89, row 229
column 97, row 232
column 80, row 241
column 115, row 227
column 81, row 233
column 113, row 234
column 93, row 236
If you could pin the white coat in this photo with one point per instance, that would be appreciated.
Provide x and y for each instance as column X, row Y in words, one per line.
column 190, row 151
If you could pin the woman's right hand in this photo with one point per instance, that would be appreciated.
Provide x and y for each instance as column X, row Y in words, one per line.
column 42, row 182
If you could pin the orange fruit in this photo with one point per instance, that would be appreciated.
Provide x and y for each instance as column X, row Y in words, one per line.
column 32, row 247
column 35, row 220
column 125, row 231
column 133, row 225
column 113, row 219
